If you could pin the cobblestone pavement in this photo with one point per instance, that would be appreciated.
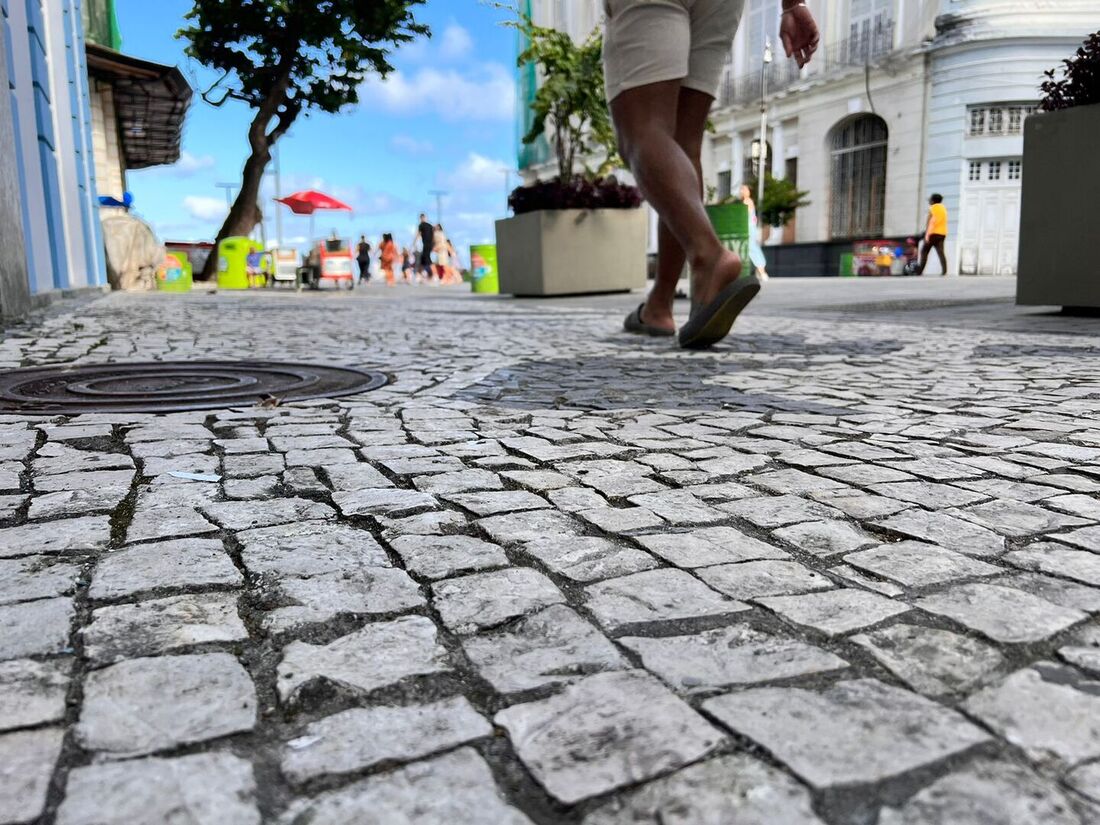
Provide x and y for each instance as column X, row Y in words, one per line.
column 844, row 569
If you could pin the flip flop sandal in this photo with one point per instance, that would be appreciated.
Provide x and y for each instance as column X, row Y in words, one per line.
column 635, row 324
column 710, row 324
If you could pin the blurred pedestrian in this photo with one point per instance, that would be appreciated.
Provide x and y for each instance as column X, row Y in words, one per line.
column 935, row 234
column 442, row 249
column 387, row 255
column 408, row 264
column 425, row 235
column 363, row 258
column 756, row 252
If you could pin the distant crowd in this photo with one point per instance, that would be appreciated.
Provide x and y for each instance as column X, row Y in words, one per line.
column 430, row 257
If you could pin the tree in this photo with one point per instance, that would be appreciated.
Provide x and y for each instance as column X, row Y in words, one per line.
column 285, row 58
column 781, row 200
column 570, row 106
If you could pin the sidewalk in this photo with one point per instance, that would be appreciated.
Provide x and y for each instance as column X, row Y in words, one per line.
column 843, row 569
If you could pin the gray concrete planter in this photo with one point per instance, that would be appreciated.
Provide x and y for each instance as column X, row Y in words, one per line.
column 1059, row 215
column 572, row 251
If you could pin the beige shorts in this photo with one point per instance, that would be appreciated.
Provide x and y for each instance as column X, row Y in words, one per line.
column 652, row 41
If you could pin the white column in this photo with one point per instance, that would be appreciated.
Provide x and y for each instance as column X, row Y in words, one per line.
column 778, row 158
column 737, row 152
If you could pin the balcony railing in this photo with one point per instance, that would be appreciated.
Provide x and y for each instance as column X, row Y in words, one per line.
column 851, row 51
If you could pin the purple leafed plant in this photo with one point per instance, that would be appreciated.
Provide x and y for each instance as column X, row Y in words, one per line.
column 1080, row 81
column 579, row 193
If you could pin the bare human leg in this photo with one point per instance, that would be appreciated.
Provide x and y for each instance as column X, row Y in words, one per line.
column 646, row 123
column 692, row 109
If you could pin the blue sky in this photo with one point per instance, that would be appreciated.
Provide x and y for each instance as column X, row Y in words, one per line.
column 443, row 120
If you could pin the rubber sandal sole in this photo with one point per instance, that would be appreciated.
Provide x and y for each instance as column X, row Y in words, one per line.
column 636, row 326
column 714, row 322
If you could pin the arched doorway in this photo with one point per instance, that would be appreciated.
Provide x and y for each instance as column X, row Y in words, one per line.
column 858, row 207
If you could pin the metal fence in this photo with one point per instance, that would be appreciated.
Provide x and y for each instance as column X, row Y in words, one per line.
column 860, row 50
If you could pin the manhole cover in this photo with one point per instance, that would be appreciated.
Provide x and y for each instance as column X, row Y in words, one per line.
column 173, row 386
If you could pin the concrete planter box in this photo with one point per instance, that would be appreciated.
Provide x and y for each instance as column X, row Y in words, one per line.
column 1059, row 215
column 572, row 251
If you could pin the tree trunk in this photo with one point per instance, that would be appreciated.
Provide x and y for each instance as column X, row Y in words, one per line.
column 245, row 212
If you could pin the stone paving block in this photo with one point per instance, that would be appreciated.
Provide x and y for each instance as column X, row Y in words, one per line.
column 201, row 789
column 384, row 501
column 27, row 760
column 62, row 536
column 928, row 494
column 541, row 481
column 309, row 548
column 36, row 577
column 454, row 788
column 167, row 565
column 916, row 564
column 1061, row 592
column 588, row 558
column 726, row 790
column 168, row 522
column 432, row 523
column 732, row 465
column 863, row 475
column 191, row 463
column 377, row 655
column 470, row 603
column 735, row 655
column 348, row 477
column 1003, row 614
column 496, row 502
column 709, row 546
column 32, row 692
column 515, row 528
column 1086, row 780
column 303, row 481
column 1087, row 538
column 861, row 505
column 753, row 579
column 946, row 531
column 239, row 445
column 141, row 706
column 56, row 459
column 11, row 505
column 835, row 612
column 291, row 443
column 438, row 557
column 112, row 480
column 721, row 491
column 360, row 738
column 552, row 646
column 9, row 476
column 369, row 591
column 930, row 660
column 621, row 519
column 75, row 503
column 779, row 511
column 606, row 731
column 679, row 507
column 321, row 458
column 1046, row 709
column 825, row 538
column 854, row 732
column 421, row 466
column 850, row 575
column 148, row 628
column 986, row 792
column 663, row 595
column 1085, row 658
column 793, row 482
column 1017, row 518
column 247, row 489
column 1058, row 560
column 1015, row 490
column 463, row 481
column 38, row 628
column 246, row 515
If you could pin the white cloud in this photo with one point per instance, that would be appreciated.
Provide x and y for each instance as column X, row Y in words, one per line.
column 478, row 173
column 456, row 42
column 485, row 93
column 189, row 164
column 409, row 145
column 205, row 208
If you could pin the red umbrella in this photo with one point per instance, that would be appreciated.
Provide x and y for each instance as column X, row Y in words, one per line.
column 309, row 201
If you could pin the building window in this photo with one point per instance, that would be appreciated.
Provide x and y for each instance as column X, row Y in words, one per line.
column 751, row 164
column 870, row 29
column 858, row 191
column 762, row 27
column 998, row 119
column 725, row 185
column 1015, row 168
column 994, row 170
column 977, row 122
column 975, row 170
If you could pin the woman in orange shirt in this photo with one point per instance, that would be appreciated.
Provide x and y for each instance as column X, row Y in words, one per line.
column 935, row 234
column 387, row 255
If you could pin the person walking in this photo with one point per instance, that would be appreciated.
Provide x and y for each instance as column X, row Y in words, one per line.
column 935, row 233
column 362, row 258
column 408, row 264
column 663, row 61
column 387, row 254
column 756, row 252
column 425, row 234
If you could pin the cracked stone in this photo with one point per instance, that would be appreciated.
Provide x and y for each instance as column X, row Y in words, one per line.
column 469, row 603
column 360, row 738
column 438, row 557
column 309, row 548
column 379, row 654
column 32, row 692
column 655, row 596
column 166, row 565
column 38, row 628
column 930, row 660
column 385, row 501
column 245, row 515
column 606, row 731
column 1046, row 709
column 588, row 558
column 156, row 626
column 709, row 546
column 35, row 577
column 835, row 612
column 63, row 536
column 455, row 788
column 853, row 732
column 27, row 760
column 141, row 706
column 735, row 655
column 552, row 646
column 916, row 564
column 201, row 789
column 1004, row 614
column 825, row 538
column 434, row 523
column 368, row 591
column 753, row 579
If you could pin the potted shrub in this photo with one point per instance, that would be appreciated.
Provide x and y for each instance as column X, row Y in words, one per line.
column 583, row 230
column 730, row 216
column 1059, row 221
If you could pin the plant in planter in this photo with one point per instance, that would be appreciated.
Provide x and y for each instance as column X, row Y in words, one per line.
column 730, row 217
column 1058, row 216
column 581, row 231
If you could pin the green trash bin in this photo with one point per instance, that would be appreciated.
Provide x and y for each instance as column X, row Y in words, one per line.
column 483, row 268
column 233, row 262
column 847, row 265
column 175, row 273
column 731, row 224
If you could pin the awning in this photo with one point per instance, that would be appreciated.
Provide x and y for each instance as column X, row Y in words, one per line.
column 150, row 103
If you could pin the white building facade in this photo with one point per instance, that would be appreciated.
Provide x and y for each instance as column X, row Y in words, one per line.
column 905, row 98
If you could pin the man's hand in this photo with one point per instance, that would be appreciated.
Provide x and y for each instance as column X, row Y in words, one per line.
column 798, row 31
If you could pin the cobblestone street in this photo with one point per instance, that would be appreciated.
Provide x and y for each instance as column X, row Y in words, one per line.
column 844, row 568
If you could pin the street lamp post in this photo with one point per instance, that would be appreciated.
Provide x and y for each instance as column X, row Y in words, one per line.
column 761, row 170
column 439, row 194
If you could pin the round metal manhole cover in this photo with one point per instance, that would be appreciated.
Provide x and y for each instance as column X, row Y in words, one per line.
column 174, row 386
